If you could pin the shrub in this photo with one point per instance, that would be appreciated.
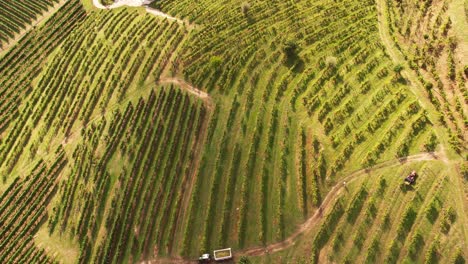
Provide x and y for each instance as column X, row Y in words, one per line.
column 331, row 61
column 458, row 257
column 215, row 62
column 432, row 253
column 415, row 245
column 398, row 68
column 431, row 212
column 245, row 7
column 431, row 143
column 244, row 260
column 355, row 205
column 406, row 222
column 464, row 170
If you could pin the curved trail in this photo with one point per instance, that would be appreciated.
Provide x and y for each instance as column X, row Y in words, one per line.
column 136, row 3
column 336, row 190
column 312, row 221
column 332, row 194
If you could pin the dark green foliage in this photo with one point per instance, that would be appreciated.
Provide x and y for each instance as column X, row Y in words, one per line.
column 431, row 143
column 458, row 257
column 448, row 218
column 432, row 254
column 290, row 49
column 215, row 63
column 326, row 229
column 406, row 222
column 382, row 186
column 356, row 204
column 417, row 242
column 432, row 211
column 373, row 250
column 464, row 170
column 244, row 260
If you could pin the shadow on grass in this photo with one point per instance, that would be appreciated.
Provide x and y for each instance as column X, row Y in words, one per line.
column 406, row 188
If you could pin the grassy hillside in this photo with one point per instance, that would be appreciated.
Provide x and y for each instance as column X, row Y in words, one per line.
column 436, row 51
column 377, row 219
column 234, row 124
column 287, row 127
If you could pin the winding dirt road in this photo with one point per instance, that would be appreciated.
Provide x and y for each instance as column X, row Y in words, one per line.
column 433, row 114
column 331, row 196
column 311, row 222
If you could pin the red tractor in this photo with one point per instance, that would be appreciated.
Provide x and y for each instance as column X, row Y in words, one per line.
column 411, row 178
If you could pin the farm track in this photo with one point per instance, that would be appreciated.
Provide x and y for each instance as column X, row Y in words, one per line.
column 413, row 83
column 312, row 221
column 331, row 196
column 189, row 88
column 336, row 190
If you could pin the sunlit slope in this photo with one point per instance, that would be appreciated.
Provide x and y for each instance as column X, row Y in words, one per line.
column 285, row 127
column 90, row 89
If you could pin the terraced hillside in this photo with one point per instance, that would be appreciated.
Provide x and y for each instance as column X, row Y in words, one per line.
column 281, row 129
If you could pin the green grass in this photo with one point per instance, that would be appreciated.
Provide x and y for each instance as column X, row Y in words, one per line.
column 156, row 172
column 353, row 240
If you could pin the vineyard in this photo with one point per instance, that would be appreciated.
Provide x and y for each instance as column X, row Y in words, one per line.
column 17, row 16
column 428, row 29
column 392, row 222
column 280, row 129
column 310, row 119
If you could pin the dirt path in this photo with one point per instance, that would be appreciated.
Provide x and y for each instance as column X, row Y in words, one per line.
column 190, row 88
column 413, row 83
column 206, row 98
column 331, row 196
column 310, row 223
column 136, row 3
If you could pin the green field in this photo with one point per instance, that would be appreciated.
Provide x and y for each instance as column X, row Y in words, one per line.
column 280, row 129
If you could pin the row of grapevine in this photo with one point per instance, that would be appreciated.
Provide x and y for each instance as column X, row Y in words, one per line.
column 156, row 139
column 16, row 16
column 432, row 51
column 23, row 209
column 402, row 228
column 264, row 95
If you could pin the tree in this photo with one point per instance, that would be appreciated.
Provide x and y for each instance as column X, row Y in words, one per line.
column 290, row 49
column 398, row 68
